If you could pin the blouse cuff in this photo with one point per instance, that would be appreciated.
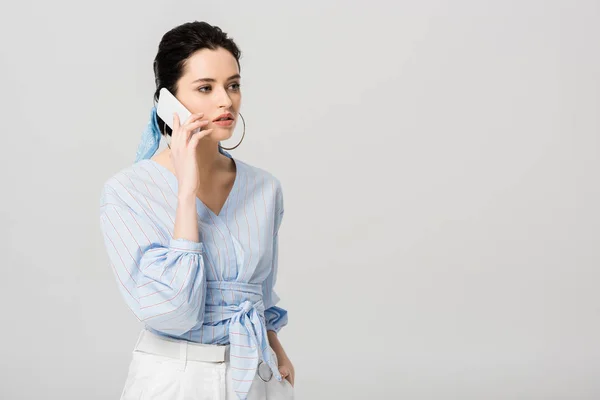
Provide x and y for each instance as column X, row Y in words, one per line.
column 276, row 318
column 186, row 245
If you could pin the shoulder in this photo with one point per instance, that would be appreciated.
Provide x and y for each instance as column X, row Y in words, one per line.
column 271, row 182
column 121, row 187
column 261, row 174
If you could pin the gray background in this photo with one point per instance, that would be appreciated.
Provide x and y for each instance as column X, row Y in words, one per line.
column 439, row 161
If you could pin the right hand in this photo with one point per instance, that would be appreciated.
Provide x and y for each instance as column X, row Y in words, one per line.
column 183, row 152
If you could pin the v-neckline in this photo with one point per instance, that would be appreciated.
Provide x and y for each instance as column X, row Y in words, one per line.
column 174, row 184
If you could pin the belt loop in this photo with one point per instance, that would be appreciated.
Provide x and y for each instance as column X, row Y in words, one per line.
column 183, row 347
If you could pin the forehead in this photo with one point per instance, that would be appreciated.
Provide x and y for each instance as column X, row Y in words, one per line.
column 218, row 64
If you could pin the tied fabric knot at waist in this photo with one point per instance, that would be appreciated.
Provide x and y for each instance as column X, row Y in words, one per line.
column 247, row 332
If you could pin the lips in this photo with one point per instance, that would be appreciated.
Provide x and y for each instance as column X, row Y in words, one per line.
column 224, row 117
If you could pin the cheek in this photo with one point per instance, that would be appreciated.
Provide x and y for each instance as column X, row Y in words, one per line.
column 237, row 100
column 194, row 102
column 202, row 105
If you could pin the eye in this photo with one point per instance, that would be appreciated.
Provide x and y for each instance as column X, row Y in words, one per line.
column 203, row 87
column 236, row 86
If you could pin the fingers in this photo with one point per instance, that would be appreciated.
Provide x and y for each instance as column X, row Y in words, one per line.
column 194, row 117
column 175, row 122
column 196, row 138
column 181, row 133
column 289, row 378
column 284, row 372
column 190, row 128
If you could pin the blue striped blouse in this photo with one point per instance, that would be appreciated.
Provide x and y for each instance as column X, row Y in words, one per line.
column 219, row 290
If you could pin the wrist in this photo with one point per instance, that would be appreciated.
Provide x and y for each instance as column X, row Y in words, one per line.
column 186, row 198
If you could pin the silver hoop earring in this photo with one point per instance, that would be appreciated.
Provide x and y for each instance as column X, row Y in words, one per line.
column 243, row 134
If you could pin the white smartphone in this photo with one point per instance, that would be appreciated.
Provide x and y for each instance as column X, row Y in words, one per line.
column 167, row 105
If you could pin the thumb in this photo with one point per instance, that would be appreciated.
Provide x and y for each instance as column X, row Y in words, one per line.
column 283, row 371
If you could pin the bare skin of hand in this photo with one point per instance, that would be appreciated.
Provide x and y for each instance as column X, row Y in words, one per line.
column 286, row 368
column 183, row 151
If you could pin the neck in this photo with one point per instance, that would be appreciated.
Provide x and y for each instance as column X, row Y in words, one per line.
column 210, row 161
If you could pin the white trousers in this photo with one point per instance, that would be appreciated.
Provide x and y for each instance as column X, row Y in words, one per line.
column 169, row 369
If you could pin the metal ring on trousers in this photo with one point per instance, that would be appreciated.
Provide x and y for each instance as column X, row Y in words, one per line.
column 259, row 372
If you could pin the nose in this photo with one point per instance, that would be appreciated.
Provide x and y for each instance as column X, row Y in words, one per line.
column 224, row 101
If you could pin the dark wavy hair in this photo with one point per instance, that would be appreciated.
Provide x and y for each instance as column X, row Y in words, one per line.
column 177, row 45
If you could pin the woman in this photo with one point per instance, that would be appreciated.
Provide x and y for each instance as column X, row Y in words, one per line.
column 191, row 235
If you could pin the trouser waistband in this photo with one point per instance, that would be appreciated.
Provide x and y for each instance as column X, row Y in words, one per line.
column 149, row 342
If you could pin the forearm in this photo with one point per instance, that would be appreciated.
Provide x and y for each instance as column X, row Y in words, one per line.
column 186, row 218
column 276, row 345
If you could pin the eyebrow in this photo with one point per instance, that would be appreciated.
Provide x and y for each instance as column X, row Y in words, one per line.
column 214, row 80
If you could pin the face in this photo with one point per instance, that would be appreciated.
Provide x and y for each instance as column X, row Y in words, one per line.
column 211, row 84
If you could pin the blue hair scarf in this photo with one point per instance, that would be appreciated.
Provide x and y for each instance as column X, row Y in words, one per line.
column 151, row 139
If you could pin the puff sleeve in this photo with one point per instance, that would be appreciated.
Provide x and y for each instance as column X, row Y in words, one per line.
column 162, row 279
column 275, row 317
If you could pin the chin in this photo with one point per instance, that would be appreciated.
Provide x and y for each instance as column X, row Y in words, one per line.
column 220, row 135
